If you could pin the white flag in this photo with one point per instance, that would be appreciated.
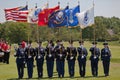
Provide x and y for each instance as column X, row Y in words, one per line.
column 33, row 14
column 86, row 18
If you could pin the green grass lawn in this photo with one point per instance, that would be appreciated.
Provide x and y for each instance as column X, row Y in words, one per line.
column 9, row 72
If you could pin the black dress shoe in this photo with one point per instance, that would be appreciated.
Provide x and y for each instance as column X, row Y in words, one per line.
column 72, row 76
column 106, row 75
column 20, row 78
column 50, row 77
column 82, row 76
column 29, row 77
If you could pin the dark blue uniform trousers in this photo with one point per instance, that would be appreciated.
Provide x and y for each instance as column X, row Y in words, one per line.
column 106, row 64
column 94, row 67
column 50, row 66
column 20, row 67
column 30, row 67
column 40, row 67
column 6, row 57
column 71, row 65
column 61, row 68
column 82, row 66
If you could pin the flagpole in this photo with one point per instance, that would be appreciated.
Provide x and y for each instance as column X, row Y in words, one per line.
column 30, row 25
column 70, row 41
column 38, row 39
column 54, row 27
column 94, row 32
column 80, row 28
column 37, row 33
column 58, row 33
column 78, row 2
column 26, row 2
column 70, row 35
column 47, row 17
column 29, row 40
column 69, row 30
column 81, row 38
column 81, row 35
column 28, row 46
column 94, row 28
column 58, row 27
column 35, row 5
column 47, row 4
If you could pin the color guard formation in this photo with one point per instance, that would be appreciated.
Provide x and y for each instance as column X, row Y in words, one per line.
column 59, row 54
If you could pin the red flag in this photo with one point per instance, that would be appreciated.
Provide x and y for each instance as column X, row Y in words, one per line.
column 43, row 15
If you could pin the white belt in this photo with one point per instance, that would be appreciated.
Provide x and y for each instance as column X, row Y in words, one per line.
column 82, row 56
column 95, row 57
column 50, row 55
column 29, row 56
column 60, row 55
column 39, row 57
column 71, row 57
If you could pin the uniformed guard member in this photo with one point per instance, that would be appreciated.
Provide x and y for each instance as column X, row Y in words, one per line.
column 40, row 53
column 1, row 51
column 24, row 45
column 95, row 53
column 82, row 54
column 20, row 54
column 6, row 53
column 105, row 57
column 71, row 57
column 60, row 57
column 30, row 53
column 55, row 50
column 50, row 58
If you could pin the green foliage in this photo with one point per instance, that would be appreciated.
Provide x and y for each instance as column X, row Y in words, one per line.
column 14, row 32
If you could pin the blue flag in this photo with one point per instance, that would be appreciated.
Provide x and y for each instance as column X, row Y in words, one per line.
column 72, row 18
column 24, row 8
column 58, row 18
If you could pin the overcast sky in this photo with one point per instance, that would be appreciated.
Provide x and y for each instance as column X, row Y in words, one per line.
column 107, row 8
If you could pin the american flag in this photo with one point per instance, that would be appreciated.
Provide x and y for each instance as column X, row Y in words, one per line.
column 19, row 15
column 8, row 13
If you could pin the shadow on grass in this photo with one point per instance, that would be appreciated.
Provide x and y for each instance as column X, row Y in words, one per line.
column 65, row 78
